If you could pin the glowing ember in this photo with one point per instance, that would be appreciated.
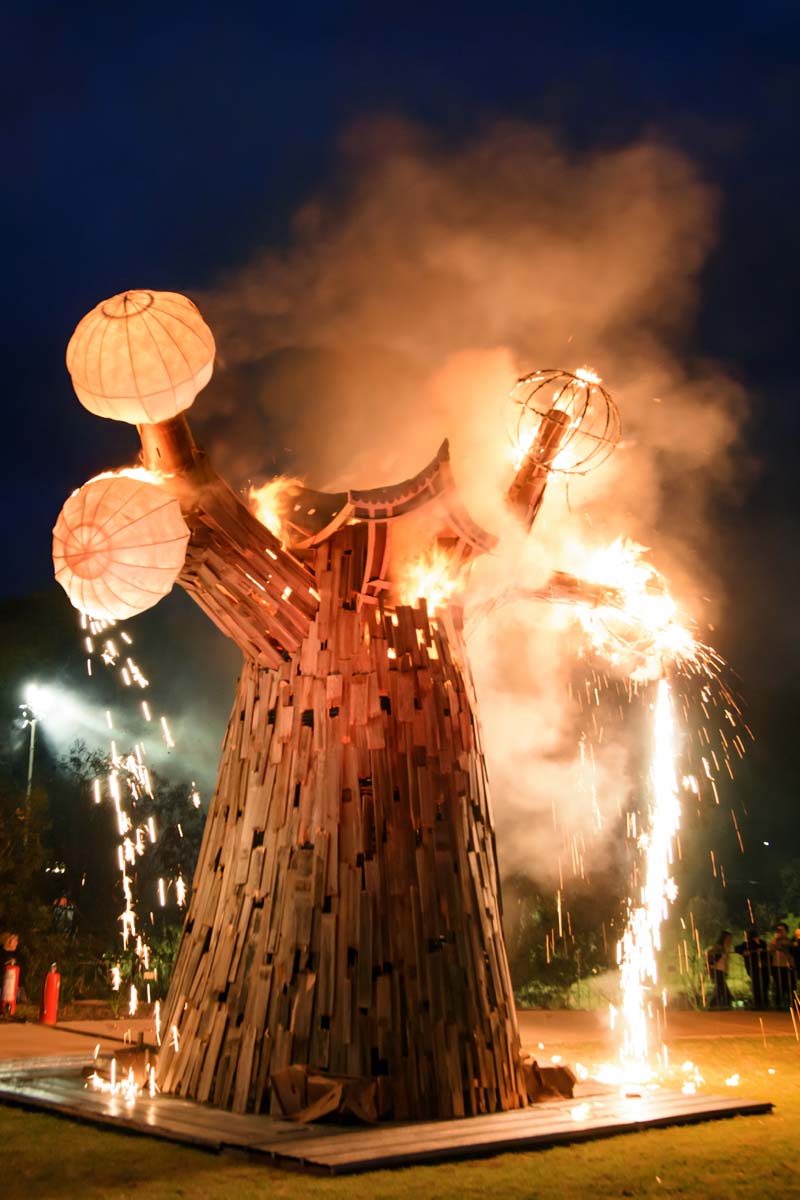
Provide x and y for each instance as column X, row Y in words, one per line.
column 430, row 577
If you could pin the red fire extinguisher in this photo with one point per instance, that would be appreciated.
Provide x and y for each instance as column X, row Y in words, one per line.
column 48, row 1013
column 10, row 988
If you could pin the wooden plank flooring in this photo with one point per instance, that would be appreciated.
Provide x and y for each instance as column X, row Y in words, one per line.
column 56, row 1085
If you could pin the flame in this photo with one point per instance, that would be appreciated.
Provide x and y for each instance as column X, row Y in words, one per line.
column 271, row 500
column 640, row 630
column 141, row 473
column 430, row 577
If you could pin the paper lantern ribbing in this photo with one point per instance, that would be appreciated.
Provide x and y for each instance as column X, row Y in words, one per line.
column 119, row 545
column 141, row 357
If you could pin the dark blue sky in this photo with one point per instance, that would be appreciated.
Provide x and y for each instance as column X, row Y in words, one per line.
column 159, row 148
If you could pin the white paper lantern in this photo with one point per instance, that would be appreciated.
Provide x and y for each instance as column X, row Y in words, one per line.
column 141, row 357
column 119, row 545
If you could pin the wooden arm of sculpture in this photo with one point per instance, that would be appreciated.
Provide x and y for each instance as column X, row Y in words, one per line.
column 527, row 490
column 564, row 588
column 561, row 588
column 236, row 569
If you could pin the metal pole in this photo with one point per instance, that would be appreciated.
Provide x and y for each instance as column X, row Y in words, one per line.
column 30, row 761
column 30, row 781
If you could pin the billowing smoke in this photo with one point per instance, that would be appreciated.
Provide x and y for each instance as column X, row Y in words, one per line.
column 412, row 294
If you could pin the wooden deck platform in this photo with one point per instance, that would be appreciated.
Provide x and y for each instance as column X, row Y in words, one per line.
column 56, row 1085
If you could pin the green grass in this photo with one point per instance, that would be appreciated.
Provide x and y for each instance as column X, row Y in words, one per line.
column 46, row 1156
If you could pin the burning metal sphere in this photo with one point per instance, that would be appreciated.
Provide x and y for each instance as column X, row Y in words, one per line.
column 567, row 423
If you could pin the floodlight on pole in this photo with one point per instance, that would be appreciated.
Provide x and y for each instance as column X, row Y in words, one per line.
column 38, row 702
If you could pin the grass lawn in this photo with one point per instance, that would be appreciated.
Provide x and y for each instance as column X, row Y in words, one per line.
column 47, row 1156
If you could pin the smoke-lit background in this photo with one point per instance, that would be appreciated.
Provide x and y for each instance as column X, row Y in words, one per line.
column 383, row 227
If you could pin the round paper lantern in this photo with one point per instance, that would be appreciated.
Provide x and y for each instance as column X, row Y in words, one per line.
column 119, row 545
column 140, row 357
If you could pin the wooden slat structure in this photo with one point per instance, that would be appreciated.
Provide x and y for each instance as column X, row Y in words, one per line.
column 57, row 1086
column 345, row 911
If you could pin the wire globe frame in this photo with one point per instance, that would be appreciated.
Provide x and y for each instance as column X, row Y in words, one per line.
column 594, row 426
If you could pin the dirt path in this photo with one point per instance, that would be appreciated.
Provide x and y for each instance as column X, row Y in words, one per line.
column 28, row 1039
column 555, row 1029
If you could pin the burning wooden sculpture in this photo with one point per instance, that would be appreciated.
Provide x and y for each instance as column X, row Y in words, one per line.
column 343, row 942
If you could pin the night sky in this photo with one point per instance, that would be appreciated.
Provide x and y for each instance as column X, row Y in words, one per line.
column 150, row 148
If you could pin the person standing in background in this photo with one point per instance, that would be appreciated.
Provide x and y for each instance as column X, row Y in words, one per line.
column 782, row 964
column 755, row 953
column 717, row 959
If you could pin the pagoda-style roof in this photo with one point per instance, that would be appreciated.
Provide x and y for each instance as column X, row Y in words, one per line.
column 316, row 515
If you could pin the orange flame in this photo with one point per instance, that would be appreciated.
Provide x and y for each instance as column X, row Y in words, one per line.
column 271, row 502
column 430, row 577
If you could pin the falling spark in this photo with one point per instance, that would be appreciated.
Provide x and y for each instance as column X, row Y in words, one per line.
column 642, row 938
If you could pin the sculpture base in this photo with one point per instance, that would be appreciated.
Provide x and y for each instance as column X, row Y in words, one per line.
column 58, row 1086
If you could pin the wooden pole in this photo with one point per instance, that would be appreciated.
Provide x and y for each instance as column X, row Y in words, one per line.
column 527, row 490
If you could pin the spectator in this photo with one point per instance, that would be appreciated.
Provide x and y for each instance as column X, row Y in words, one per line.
column 755, row 952
column 782, row 964
column 717, row 959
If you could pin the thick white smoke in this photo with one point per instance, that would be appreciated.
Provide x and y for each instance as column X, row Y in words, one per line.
column 412, row 294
